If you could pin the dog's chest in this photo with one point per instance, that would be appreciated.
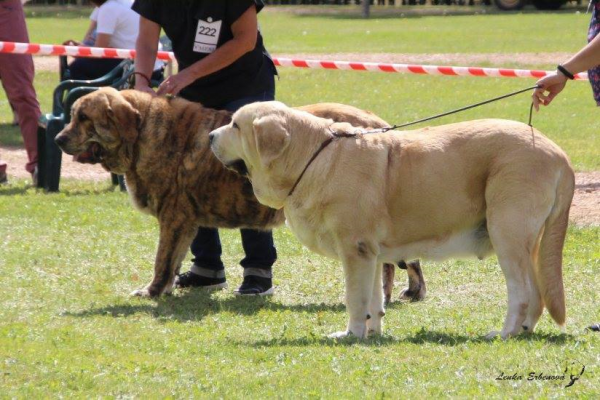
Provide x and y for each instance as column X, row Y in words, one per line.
column 311, row 232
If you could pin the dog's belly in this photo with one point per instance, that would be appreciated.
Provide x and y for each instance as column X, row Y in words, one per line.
column 467, row 243
column 463, row 244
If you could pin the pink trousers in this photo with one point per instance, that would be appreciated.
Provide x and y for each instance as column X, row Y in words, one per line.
column 16, row 74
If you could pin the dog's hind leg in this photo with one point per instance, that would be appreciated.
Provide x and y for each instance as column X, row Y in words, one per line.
column 416, row 289
column 514, row 238
column 376, row 309
column 389, row 271
column 536, row 304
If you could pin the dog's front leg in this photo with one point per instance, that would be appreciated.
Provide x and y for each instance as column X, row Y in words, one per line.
column 359, row 270
column 175, row 240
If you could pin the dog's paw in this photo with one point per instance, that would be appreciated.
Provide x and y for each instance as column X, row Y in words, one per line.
column 503, row 335
column 492, row 335
column 375, row 329
column 340, row 335
column 412, row 295
column 141, row 293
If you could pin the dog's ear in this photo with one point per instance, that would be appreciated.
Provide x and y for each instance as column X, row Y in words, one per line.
column 125, row 117
column 271, row 137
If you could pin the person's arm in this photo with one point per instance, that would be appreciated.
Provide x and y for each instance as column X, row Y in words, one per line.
column 102, row 40
column 87, row 36
column 90, row 31
column 586, row 58
column 146, row 48
column 245, row 32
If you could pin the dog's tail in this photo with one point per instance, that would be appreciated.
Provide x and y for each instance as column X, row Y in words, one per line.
column 549, row 258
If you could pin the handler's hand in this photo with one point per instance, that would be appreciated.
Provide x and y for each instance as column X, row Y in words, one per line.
column 553, row 84
column 175, row 83
column 145, row 88
column 71, row 42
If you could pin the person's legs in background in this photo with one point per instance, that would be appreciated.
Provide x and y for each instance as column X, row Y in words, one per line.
column 16, row 74
column 260, row 256
column 3, row 176
column 207, row 270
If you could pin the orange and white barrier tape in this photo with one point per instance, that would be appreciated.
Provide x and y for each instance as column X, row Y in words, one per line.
column 417, row 69
column 82, row 51
column 74, row 51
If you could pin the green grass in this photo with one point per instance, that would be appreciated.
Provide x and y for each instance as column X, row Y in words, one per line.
column 69, row 260
column 285, row 33
column 68, row 327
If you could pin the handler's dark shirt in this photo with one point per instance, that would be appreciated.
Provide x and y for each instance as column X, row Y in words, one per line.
column 196, row 28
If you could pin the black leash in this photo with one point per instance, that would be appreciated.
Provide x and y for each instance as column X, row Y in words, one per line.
column 336, row 135
column 382, row 130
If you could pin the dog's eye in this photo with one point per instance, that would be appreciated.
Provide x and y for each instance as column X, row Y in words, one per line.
column 235, row 126
column 82, row 117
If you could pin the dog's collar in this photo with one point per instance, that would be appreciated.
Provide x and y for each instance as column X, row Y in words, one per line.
column 334, row 135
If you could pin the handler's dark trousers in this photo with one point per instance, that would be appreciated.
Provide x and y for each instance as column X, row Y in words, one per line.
column 258, row 245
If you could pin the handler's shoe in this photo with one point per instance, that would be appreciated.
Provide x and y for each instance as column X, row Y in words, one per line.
column 595, row 327
column 255, row 286
column 190, row 279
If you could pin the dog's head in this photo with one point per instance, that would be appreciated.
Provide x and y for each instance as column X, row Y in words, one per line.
column 102, row 124
column 258, row 143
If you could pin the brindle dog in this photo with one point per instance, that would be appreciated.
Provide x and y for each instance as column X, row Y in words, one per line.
column 161, row 146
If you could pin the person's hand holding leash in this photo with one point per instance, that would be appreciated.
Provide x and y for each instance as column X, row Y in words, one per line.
column 553, row 84
column 585, row 59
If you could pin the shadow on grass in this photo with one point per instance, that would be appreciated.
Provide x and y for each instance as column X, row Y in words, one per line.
column 195, row 305
column 13, row 190
column 21, row 188
column 423, row 336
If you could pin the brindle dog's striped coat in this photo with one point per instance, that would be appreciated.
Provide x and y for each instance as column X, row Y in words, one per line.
column 161, row 146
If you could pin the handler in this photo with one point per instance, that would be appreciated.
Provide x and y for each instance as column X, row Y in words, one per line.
column 16, row 74
column 223, row 65
column 588, row 58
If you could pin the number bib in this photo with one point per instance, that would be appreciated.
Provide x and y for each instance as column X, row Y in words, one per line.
column 207, row 36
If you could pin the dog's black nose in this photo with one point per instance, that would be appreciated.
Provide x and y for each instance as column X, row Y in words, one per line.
column 61, row 140
column 211, row 137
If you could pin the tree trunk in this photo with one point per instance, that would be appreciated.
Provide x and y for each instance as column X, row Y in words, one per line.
column 366, row 5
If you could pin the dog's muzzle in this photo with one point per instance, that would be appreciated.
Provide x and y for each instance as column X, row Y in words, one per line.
column 93, row 155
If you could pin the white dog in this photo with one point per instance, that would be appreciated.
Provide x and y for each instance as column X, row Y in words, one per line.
column 470, row 188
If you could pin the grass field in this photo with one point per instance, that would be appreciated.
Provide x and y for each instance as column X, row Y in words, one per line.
column 69, row 260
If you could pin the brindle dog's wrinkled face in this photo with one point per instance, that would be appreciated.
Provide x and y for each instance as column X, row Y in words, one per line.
column 101, row 123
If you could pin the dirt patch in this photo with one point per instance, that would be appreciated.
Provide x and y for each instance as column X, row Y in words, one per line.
column 585, row 209
column 16, row 159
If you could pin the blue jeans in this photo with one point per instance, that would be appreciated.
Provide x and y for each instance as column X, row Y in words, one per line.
column 258, row 245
